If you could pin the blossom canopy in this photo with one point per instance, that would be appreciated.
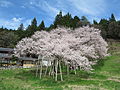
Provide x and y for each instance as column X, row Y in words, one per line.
column 78, row 46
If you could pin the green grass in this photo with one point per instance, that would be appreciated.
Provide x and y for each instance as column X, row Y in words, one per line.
column 105, row 76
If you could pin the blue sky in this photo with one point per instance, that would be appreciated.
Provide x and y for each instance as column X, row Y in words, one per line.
column 14, row 12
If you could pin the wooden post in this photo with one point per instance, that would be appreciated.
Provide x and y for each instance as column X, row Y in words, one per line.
column 53, row 69
column 37, row 69
column 60, row 71
column 46, row 68
column 41, row 62
column 50, row 69
column 67, row 69
column 75, row 69
column 56, row 67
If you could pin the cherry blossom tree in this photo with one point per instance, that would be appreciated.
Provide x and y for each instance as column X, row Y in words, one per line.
column 75, row 48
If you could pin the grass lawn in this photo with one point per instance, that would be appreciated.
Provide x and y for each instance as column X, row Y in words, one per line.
column 106, row 76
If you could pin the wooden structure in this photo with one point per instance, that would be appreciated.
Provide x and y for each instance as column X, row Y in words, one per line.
column 5, row 56
column 27, row 62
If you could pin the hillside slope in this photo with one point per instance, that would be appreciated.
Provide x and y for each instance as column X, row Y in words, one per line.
column 106, row 76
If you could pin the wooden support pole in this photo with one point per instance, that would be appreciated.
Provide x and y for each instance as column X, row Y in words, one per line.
column 37, row 69
column 75, row 69
column 46, row 68
column 60, row 71
column 50, row 69
column 41, row 62
column 56, row 67
column 67, row 69
column 53, row 69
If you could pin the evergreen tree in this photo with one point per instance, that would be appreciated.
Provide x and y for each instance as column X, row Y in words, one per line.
column 2, row 29
column 84, row 21
column 114, row 30
column 50, row 27
column 58, row 19
column 76, row 22
column 67, row 20
column 112, row 18
column 34, row 22
column 21, row 27
column 104, row 22
column 20, row 31
column 28, row 28
column 95, row 22
column 103, row 26
column 41, row 26
column 33, row 26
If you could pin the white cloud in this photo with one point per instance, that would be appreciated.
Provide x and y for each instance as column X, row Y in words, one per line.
column 9, row 24
column 93, row 9
column 22, row 6
column 43, row 5
column 90, row 7
column 17, row 19
column 4, row 3
column 14, row 23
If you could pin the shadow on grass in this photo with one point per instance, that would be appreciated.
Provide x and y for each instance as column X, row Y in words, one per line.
column 100, row 63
